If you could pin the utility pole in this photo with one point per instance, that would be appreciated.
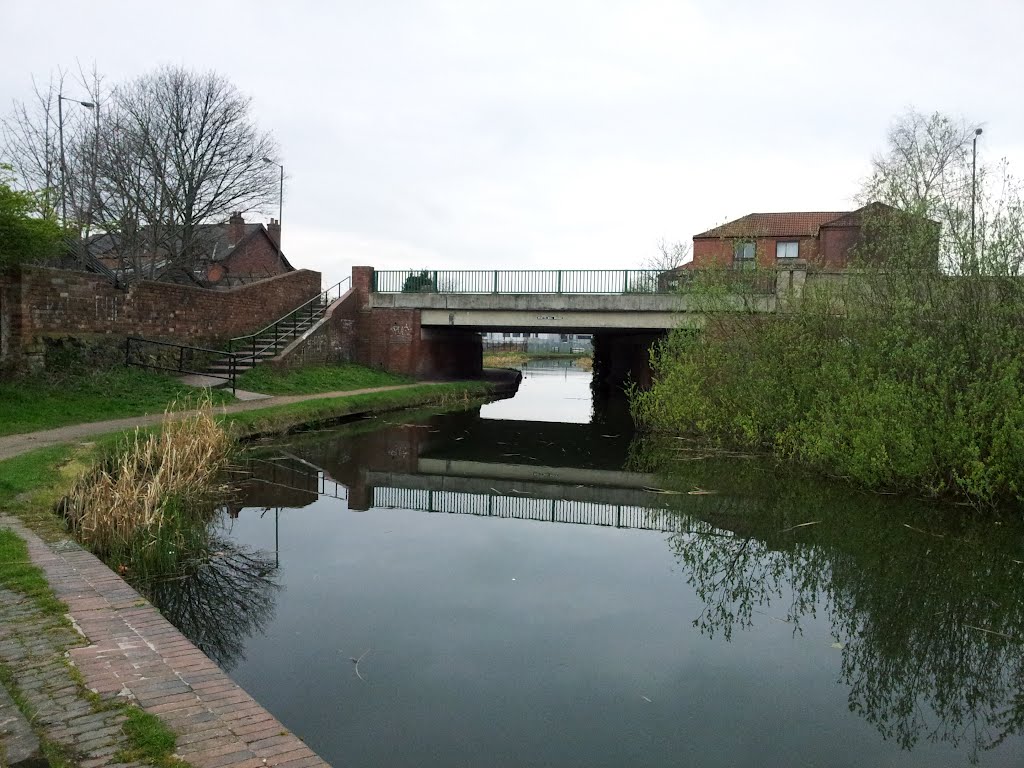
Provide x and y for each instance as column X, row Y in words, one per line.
column 974, row 195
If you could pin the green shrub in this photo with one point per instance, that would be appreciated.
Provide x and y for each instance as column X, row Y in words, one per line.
column 898, row 379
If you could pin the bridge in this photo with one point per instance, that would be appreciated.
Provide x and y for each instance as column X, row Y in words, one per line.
column 427, row 323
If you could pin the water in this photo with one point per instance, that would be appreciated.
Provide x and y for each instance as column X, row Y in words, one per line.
column 553, row 609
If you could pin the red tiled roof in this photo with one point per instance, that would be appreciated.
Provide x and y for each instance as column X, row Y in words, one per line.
column 774, row 225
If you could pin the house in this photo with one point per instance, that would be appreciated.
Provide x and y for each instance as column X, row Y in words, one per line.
column 227, row 254
column 824, row 239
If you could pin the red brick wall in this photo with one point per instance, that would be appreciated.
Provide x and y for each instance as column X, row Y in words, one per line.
column 259, row 256
column 836, row 244
column 393, row 340
column 57, row 303
column 333, row 342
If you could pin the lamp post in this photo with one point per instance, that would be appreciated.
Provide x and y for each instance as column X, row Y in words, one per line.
column 61, row 98
column 974, row 191
column 280, row 199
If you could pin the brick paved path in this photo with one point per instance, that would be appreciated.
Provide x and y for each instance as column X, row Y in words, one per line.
column 126, row 648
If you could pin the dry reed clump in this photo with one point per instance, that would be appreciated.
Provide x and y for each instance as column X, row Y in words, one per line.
column 153, row 482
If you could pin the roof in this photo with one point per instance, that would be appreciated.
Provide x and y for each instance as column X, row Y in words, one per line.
column 214, row 239
column 794, row 224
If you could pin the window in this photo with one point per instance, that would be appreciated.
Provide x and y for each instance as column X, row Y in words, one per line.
column 787, row 250
column 743, row 256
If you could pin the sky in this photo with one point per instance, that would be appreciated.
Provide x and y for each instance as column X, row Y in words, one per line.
column 475, row 134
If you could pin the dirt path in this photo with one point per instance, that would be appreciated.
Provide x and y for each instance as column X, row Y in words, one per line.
column 14, row 445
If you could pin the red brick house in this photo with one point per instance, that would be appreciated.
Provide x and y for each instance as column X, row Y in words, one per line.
column 825, row 239
column 231, row 253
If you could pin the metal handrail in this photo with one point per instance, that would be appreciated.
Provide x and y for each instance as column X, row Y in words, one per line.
column 518, row 281
column 231, row 376
column 557, row 281
column 320, row 301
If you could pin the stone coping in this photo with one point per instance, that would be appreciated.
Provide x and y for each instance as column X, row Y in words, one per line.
column 133, row 652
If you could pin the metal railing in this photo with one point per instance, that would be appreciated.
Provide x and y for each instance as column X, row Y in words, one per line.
column 572, row 281
column 522, row 508
column 135, row 353
column 251, row 348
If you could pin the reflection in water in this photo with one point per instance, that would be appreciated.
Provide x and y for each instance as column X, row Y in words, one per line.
column 531, row 641
column 926, row 605
column 219, row 597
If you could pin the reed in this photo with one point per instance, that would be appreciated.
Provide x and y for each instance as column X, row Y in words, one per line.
column 155, row 486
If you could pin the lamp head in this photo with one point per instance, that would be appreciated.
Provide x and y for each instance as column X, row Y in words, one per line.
column 87, row 104
column 977, row 131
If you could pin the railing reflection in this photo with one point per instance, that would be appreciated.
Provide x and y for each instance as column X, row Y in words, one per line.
column 525, row 508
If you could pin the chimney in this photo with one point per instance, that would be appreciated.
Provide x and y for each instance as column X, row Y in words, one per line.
column 274, row 230
column 236, row 229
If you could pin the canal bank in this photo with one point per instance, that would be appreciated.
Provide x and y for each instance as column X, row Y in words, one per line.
column 68, row 674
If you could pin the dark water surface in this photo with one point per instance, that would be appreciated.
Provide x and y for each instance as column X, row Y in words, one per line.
column 518, row 595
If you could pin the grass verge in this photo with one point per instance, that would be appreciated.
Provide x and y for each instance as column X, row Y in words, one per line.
column 313, row 413
column 18, row 574
column 317, row 378
column 45, row 402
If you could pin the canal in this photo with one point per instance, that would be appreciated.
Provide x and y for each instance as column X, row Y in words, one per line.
column 526, row 584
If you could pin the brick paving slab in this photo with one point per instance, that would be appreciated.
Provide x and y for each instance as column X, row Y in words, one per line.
column 127, row 650
column 18, row 743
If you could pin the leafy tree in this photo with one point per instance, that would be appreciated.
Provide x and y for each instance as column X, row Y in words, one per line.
column 24, row 235
column 418, row 283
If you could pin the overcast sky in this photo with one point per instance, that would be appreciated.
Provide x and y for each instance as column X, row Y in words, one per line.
column 479, row 134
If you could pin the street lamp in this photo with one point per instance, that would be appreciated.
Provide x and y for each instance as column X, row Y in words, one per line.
column 974, row 190
column 61, row 98
column 280, row 198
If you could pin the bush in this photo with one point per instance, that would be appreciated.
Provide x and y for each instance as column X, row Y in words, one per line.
column 897, row 379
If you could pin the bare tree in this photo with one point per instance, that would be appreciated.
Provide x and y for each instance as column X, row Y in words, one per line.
column 179, row 149
column 152, row 161
column 31, row 144
column 926, row 171
column 669, row 256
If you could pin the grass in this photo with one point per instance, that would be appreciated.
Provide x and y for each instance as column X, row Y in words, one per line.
column 18, row 574
column 151, row 741
column 313, row 379
column 41, row 402
column 286, row 418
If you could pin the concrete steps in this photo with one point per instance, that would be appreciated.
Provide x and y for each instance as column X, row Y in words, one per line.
column 268, row 345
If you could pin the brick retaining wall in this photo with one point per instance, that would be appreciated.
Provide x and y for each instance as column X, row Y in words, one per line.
column 44, row 303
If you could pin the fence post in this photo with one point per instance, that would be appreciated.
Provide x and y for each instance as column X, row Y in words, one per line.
column 127, row 350
column 495, row 281
column 437, row 288
column 559, row 281
column 625, row 281
column 181, row 359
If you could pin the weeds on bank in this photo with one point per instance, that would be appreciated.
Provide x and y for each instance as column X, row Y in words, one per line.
column 150, row 489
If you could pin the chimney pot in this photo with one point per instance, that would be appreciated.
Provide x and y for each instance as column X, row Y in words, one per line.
column 274, row 230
